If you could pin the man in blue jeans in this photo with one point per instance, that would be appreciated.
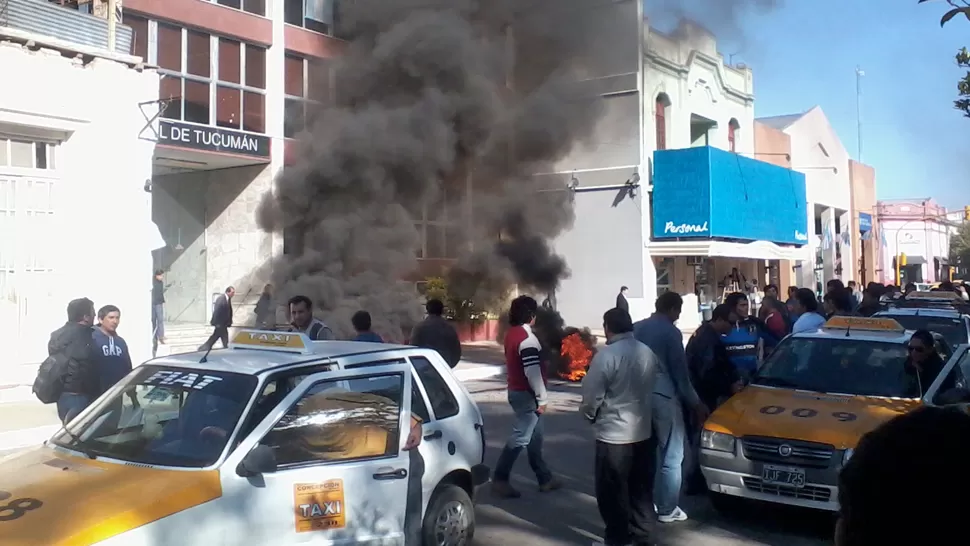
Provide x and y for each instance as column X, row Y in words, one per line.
column 672, row 393
column 527, row 396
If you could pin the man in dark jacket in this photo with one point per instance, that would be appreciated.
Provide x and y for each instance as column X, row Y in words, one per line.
column 73, row 343
column 221, row 319
column 435, row 332
column 158, row 310
column 621, row 302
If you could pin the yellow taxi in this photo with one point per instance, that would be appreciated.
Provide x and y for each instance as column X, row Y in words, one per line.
column 277, row 440
column 785, row 437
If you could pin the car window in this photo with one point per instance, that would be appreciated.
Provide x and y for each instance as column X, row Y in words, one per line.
column 418, row 407
column 953, row 330
column 955, row 389
column 838, row 365
column 341, row 420
column 164, row 416
column 443, row 401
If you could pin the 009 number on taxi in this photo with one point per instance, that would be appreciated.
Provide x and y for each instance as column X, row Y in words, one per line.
column 808, row 413
column 16, row 508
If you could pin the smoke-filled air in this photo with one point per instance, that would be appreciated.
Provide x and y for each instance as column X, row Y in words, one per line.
column 428, row 108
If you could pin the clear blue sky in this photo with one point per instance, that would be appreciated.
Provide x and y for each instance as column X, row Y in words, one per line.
column 804, row 53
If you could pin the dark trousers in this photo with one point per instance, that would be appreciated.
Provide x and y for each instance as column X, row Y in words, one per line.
column 70, row 404
column 624, row 491
column 220, row 333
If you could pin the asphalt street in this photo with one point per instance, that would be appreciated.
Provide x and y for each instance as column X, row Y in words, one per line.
column 570, row 516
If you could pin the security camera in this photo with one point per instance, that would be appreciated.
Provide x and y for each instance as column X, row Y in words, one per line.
column 148, row 185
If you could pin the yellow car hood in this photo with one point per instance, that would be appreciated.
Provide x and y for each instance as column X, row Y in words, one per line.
column 49, row 498
column 812, row 417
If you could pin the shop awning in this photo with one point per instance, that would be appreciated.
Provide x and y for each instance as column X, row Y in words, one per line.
column 757, row 250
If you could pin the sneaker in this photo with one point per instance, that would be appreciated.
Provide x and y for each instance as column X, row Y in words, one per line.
column 676, row 515
column 504, row 490
column 551, row 485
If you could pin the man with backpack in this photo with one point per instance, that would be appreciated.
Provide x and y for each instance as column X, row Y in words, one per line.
column 68, row 376
column 303, row 321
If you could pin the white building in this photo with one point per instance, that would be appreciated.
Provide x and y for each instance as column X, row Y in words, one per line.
column 684, row 99
column 74, row 212
column 818, row 153
column 920, row 230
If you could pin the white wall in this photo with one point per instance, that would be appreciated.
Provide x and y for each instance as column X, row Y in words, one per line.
column 916, row 238
column 102, row 237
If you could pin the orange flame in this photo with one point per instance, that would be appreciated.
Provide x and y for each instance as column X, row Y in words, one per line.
column 576, row 356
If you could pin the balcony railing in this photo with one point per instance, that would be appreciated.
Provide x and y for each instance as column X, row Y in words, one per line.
column 54, row 21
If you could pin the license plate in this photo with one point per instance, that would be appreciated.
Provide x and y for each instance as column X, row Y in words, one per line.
column 783, row 475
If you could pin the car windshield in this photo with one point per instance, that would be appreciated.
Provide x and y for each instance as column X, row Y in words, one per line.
column 953, row 330
column 163, row 416
column 839, row 366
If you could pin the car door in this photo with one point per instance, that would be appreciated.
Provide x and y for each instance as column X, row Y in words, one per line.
column 342, row 472
column 952, row 386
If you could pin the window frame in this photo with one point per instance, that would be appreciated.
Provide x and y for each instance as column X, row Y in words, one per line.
column 213, row 82
column 661, row 104
column 242, row 7
column 305, row 99
column 444, row 222
column 258, row 435
column 303, row 20
column 428, row 402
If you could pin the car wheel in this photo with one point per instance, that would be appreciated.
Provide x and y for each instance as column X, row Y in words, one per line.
column 450, row 519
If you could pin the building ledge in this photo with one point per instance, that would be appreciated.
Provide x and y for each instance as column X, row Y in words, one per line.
column 66, row 48
column 757, row 250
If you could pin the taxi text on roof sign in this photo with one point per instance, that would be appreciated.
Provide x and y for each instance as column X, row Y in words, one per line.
column 939, row 295
column 271, row 341
column 862, row 323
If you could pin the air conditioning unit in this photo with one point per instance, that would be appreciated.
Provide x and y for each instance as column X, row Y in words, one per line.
column 696, row 260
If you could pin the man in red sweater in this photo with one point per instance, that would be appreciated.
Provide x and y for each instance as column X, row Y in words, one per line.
column 528, row 398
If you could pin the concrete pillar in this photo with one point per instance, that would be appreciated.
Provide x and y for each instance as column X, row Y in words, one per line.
column 850, row 267
column 275, row 104
column 829, row 239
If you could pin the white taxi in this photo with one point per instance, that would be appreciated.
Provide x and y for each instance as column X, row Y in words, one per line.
column 276, row 440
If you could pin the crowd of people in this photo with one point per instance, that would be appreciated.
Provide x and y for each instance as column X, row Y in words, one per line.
column 647, row 398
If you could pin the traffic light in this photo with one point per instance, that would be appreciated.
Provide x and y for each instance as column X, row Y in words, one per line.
column 966, row 213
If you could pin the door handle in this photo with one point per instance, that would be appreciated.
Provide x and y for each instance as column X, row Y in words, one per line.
column 390, row 474
column 433, row 436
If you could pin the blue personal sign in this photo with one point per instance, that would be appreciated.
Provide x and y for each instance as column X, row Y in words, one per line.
column 865, row 222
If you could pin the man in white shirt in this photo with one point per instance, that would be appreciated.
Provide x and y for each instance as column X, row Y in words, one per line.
column 806, row 307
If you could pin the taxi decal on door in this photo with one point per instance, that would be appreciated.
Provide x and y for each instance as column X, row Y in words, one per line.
column 319, row 506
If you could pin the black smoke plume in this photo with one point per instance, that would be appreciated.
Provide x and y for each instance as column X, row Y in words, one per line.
column 433, row 97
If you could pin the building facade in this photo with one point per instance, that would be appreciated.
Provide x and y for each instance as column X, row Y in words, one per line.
column 673, row 196
column 865, row 229
column 916, row 243
column 74, row 170
column 236, row 78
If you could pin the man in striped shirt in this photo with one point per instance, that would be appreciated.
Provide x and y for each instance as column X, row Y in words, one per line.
column 527, row 396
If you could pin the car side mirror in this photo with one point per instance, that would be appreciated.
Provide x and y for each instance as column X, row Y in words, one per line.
column 261, row 460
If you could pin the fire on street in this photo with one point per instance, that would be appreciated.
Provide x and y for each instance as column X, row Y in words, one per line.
column 570, row 516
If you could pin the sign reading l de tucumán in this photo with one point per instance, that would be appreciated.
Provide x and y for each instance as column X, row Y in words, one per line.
column 212, row 139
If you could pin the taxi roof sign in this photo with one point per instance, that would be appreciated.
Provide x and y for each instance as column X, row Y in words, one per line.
column 939, row 295
column 267, row 340
column 864, row 323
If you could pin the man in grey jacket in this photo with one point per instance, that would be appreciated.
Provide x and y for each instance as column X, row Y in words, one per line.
column 671, row 394
column 617, row 401
column 435, row 332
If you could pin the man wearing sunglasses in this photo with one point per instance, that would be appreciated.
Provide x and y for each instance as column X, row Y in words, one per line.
column 923, row 363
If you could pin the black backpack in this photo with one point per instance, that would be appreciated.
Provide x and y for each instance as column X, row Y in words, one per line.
column 49, row 384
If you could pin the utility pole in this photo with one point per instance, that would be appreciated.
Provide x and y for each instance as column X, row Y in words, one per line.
column 112, row 24
column 859, row 73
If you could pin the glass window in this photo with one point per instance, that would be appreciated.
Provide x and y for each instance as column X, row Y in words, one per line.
column 228, row 108
column 230, row 3
column 171, row 417
column 436, row 241
column 40, row 156
column 256, row 7
column 293, row 12
column 254, row 112
column 170, row 89
column 442, row 400
column 198, row 54
column 293, row 122
column 21, row 153
column 318, row 86
column 953, row 330
column 169, row 47
column 230, row 69
column 418, row 406
column 955, row 389
column 419, row 252
column 846, row 366
column 341, row 421
column 3, row 162
column 196, row 102
column 293, row 76
column 139, row 27
column 255, row 67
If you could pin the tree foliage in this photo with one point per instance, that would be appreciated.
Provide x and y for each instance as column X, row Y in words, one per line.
column 960, row 245
column 960, row 7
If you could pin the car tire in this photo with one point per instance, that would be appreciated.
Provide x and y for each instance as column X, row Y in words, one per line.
column 450, row 518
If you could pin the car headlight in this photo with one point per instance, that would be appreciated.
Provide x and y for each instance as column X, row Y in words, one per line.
column 847, row 454
column 718, row 441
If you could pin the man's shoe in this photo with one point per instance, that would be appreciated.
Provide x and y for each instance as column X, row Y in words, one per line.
column 504, row 490
column 551, row 485
column 675, row 516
